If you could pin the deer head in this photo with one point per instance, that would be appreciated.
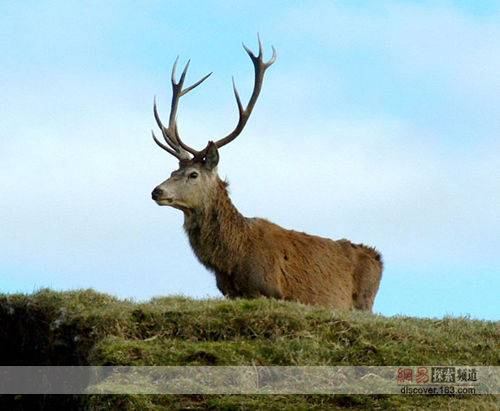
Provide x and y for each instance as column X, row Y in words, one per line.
column 192, row 183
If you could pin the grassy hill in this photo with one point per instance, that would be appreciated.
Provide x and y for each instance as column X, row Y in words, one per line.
column 89, row 328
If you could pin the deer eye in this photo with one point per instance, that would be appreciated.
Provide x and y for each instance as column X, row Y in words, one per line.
column 194, row 174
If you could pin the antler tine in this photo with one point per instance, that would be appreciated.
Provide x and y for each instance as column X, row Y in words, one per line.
column 183, row 74
column 176, row 89
column 163, row 129
column 273, row 57
column 169, row 150
column 260, row 68
column 188, row 89
column 237, row 97
column 261, row 48
column 172, row 77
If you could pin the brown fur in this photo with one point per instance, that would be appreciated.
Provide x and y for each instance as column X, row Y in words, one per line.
column 253, row 257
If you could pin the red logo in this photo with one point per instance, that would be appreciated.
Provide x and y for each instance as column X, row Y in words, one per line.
column 405, row 375
column 422, row 376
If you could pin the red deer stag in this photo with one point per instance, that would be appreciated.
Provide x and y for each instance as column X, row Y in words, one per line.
column 253, row 257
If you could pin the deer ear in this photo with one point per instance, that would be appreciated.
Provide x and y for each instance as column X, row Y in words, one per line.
column 212, row 156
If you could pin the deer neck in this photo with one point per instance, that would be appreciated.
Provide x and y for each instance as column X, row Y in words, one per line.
column 217, row 231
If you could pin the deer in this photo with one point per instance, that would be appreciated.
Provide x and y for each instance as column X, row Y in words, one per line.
column 253, row 257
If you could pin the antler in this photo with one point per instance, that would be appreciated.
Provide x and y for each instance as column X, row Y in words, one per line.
column 244, row 114
column 260, row 68
column 171, row 134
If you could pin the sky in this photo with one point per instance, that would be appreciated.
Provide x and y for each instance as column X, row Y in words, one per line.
column 379, row 122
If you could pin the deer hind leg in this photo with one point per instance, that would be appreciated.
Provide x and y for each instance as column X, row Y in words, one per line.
column 368, row 280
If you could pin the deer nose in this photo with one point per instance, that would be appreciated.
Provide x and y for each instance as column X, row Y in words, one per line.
column 157, row 193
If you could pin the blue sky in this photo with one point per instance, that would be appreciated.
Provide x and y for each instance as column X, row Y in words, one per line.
column 380, row 122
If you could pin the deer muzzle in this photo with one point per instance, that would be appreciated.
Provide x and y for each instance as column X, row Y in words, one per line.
column 159, row 195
